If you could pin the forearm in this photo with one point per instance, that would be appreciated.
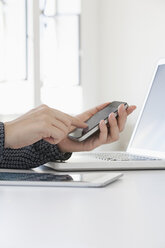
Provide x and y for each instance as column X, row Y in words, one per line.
column 28, row 157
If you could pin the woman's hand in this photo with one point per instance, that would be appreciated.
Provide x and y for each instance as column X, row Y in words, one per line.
column 40, row 123
column 106, row 135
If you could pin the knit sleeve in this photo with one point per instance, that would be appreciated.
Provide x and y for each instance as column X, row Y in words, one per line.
column 28, row 157
column 1, row 141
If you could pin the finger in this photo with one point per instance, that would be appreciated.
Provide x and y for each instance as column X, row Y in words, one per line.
column 89, row 113
column 60, row 125
column 75, row 121
column 98, row 108
column 69, row 120
column 114, row 130
column 63, row 117
column 103, row 132
column 130, row 109
column 122, row 117
column 97, row 140
column 53, row 135
column 123, row 113
column 50, row 122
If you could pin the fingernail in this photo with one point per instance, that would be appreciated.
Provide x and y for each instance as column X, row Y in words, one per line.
column 102, row 122
column 122, row 107
column 112, row 116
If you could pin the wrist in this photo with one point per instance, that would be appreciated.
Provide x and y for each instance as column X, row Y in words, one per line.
column 61, row 148
column 6, row 135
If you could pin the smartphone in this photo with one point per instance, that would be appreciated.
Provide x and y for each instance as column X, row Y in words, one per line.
column 81, row 134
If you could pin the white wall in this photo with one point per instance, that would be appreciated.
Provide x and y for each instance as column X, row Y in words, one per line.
column 90, row 60
column 131, row 39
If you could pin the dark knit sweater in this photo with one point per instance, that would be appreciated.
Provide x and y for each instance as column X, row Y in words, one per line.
column 28, row 157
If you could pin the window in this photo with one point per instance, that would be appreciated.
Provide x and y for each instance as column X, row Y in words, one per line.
column 60, row 48
column 16, row 93
column 60, row 42
column 50, row 74
column 13, row 40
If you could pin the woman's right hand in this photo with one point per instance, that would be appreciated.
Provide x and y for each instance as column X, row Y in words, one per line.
column 42, row 122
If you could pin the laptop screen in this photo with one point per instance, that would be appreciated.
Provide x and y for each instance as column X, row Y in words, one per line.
column 150, row 131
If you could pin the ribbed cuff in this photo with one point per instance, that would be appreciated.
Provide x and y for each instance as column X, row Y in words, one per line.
column 50, row 152
column 2, row 140
column 63, row 155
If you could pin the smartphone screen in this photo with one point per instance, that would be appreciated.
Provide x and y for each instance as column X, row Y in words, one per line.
column 81, row 134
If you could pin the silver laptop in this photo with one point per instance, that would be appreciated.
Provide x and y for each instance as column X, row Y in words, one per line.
column 146, row 149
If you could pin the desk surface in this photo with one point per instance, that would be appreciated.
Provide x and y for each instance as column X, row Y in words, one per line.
column 129, row 213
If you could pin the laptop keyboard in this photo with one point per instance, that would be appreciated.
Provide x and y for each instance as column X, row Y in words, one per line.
column 122, row 157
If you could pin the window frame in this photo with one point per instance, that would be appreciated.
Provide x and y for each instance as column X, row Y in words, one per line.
column 26, row 44
column 36, row 12
column 32, row 29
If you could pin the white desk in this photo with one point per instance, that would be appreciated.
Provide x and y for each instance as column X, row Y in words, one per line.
column 129, row 213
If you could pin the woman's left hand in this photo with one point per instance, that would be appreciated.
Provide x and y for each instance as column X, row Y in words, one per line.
column 108, row 134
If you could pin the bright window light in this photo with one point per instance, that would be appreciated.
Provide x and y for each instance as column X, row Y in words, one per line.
column 13, row 60
column 60, row 48
column 58, row 84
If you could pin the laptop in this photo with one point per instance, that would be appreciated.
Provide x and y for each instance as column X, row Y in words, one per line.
column 146, row 149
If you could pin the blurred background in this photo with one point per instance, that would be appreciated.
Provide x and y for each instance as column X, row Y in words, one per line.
column 75, row 54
